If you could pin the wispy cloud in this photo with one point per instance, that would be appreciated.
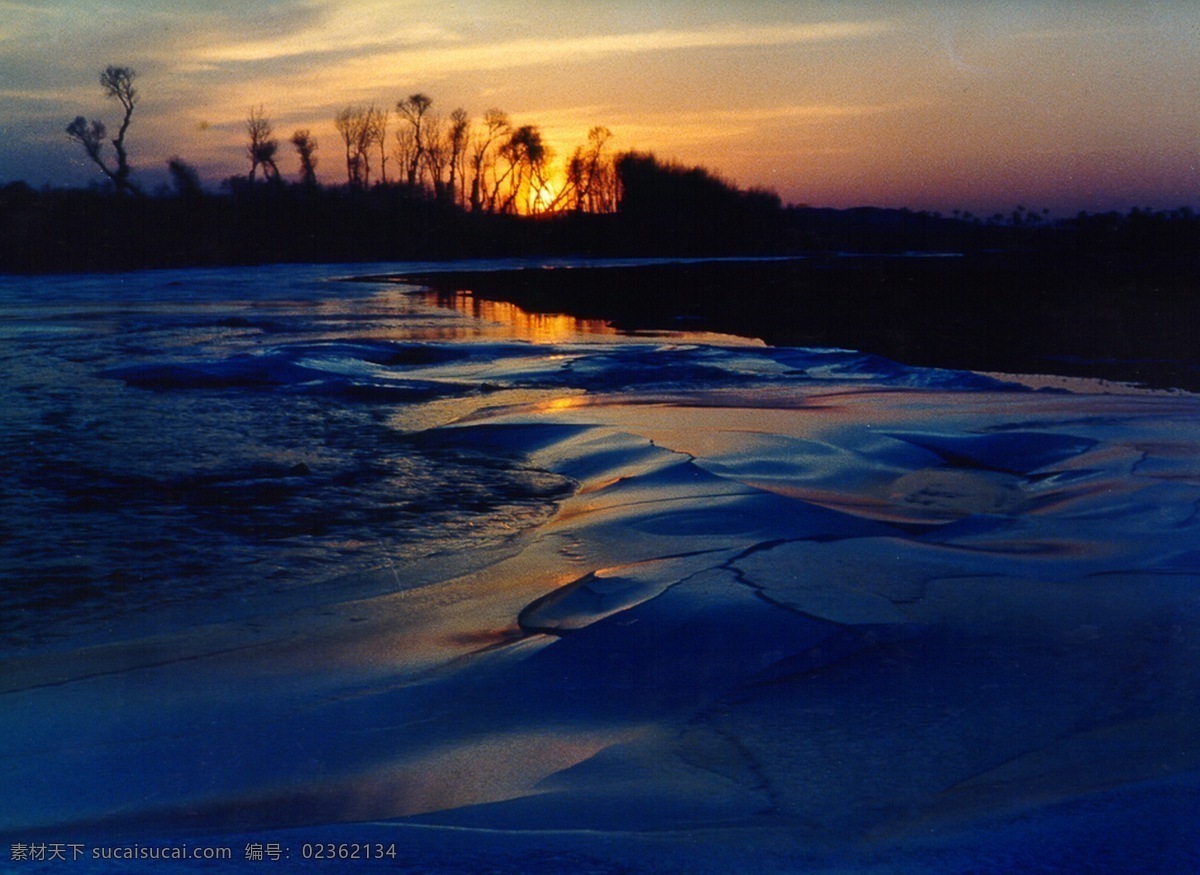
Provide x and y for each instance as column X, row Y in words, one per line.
column 368, row 55
column 691, row 128
column 314, row 45
column 382, row 69
column 438, row 49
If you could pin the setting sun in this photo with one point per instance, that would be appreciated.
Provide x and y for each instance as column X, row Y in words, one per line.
column 548, row 195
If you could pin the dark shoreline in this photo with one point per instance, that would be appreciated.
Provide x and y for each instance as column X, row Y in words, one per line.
column 1132, row 321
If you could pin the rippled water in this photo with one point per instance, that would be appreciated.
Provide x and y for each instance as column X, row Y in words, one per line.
column 178, row 440
column 179, row 445
column 183, row 445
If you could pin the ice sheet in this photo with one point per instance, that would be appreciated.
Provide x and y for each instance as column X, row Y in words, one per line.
column 805, row 611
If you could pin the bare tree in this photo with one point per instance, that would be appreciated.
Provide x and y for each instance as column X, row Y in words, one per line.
column 306, row 147
column 527, row 157
column 263, row 146
column 353, row 123
column 346, row 123
column 538, row 156
column 576, row 182
column 496, row 127
column 117, row 83
column 376, row 123
column 413, row 109
column 437, row 153
column 590, row 175
column 405, row 148
column 457, row 135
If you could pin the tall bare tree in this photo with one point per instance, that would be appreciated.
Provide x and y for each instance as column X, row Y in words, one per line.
column 353, row 123
column 590, row 175
column 414, row 109
column 437, row 153
column 263, row 146
column 538, row 155
column 376, row 133
column 526, row 156
column 404, row 149
column 117, row 83
column 306, row 148
column 457, row 135
column 484, row 147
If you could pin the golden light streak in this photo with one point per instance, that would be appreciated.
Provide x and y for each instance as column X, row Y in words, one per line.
column 538, row 328
column 564, row 403
column 457, row 57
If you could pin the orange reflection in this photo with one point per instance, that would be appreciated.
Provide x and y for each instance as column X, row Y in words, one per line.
column 564, row 403
column 520, row 324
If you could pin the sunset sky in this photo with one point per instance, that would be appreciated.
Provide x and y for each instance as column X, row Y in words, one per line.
column 933, row 105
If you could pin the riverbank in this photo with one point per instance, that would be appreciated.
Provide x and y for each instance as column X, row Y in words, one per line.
column 1126, row 320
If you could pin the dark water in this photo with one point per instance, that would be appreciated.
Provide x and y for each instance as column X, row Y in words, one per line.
column 179, row 446
column 174, row 441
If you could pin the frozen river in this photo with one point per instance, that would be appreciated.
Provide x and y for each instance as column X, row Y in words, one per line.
column 287, row 560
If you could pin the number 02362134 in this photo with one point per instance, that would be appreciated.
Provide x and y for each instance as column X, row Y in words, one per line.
column 348, row 851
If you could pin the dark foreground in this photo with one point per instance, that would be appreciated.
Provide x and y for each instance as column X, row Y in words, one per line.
column 1129, row 319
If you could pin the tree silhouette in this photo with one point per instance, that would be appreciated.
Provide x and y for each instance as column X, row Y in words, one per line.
column 457, row 135
column 591, row 178
column 405, row 148
column 527, row 156
column 117, row 83
column 306, row 147
column 490, row 167
column 436, row 137
column 184, row 178
column 496, row 126
column 355, row 126
column 263, row 146
column 376, row 123
column 413, row 109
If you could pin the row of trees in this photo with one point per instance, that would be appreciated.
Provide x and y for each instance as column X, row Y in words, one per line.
column 490, row 166
column 422, row 185
column 486, row 166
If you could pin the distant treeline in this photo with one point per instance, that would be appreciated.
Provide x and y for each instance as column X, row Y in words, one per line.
column 662, row 209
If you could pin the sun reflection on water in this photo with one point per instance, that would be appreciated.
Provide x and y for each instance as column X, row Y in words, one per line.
column 518, row 324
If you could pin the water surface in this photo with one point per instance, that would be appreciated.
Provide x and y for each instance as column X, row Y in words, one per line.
column 287, row 558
